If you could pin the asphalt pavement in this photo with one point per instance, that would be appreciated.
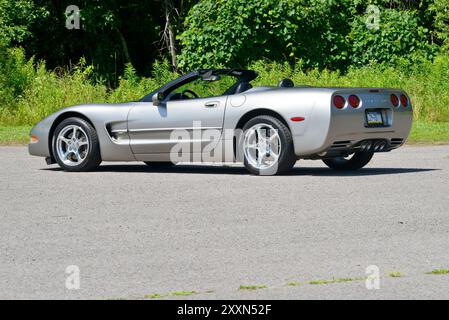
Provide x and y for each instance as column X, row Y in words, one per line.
column 207, row 231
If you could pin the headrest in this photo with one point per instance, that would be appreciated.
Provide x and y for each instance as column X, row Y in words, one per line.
column 286, row 83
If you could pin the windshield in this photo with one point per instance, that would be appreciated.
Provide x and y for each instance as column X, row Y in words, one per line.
column 205, row 83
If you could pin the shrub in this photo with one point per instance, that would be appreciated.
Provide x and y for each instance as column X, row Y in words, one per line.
column 399, row 40
column 441, row 10
column 16, row 74
column 237, row 32
column 42, row 92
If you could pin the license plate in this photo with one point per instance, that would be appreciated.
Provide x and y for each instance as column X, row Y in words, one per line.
column 374, row 118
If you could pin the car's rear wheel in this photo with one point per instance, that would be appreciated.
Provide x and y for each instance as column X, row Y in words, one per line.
column 267, row 146
column 75, row 146
column 355, row 161
column 160, row 165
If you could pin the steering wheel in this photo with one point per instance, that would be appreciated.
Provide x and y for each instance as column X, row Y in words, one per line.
column 191, row 93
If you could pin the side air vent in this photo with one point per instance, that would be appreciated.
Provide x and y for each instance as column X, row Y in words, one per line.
column 341, row 144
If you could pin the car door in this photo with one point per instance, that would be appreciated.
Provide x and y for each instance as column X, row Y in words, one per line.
column 150, row 127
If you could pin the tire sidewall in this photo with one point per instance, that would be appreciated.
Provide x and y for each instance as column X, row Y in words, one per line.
column 93, row 145
column 358, row 161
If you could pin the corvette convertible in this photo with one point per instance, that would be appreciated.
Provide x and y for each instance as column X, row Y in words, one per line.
column 273, row 126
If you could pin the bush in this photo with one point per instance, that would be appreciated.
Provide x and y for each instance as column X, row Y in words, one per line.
column 399, row 40
column 34, row 92
column 237, row 32
column 16, row 74
column 441, row 10
column 320, row 34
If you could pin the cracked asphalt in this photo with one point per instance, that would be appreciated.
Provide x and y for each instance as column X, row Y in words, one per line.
column 134, row 231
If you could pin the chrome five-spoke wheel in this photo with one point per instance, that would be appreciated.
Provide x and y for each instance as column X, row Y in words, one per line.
column 76, row 145
column 267, row 146
column 72, row 145
column 262, row 146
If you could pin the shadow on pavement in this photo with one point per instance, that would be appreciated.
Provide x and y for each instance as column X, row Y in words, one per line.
column 226, row 170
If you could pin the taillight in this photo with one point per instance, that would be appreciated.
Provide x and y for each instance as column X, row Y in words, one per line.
column 404, row 100
column 339, row 102
column 394, row 100
column 354, row 101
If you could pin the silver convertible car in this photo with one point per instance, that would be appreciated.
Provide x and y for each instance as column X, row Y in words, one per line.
column 268, row 128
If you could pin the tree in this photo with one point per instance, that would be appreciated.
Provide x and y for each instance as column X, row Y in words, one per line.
column 169, row 33
column 236, row 32
column 441, row 10
column 16, row 18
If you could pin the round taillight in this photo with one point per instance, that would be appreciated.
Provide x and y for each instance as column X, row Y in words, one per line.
column 394, row 100
column 339, row 102
column 404, row 100
column 354, row 101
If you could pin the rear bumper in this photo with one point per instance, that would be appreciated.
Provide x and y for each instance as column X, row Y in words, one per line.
column 349, row 132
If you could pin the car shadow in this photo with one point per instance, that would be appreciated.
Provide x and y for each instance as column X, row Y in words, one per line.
column 234, row 170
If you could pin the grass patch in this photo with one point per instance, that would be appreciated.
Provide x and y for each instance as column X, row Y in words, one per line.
column 319, row 282
column 429, row 132
column 395, row 274
column 339, row 280
column 153, row 296
column 14, row 135
column 252, row 287
column 293, row 284
column 438, row 272
column 182, row 293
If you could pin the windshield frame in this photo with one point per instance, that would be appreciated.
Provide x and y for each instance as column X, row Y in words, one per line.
column 241, row 75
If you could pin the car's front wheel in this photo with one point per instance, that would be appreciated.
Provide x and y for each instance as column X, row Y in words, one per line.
column 267, row 146
column 355, row 161
column 75, row 145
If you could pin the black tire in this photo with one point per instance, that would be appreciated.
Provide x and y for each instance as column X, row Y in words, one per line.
column 287, row 157
column 356, row 162
column 160, row 165
column 93, row 157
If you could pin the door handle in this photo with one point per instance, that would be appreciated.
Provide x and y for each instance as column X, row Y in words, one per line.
column 213, row 104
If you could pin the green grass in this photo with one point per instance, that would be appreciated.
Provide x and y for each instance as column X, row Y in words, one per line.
column 439, row 272
column 395, row 274
column 429, row 132
column 293, row 284
column 252, row 287
column 42, row 91
column 339, row 280
column 182, row 293
column 14, row 135
column 153, row 296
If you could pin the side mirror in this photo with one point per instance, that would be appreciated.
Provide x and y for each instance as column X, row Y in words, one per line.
column 158, row 98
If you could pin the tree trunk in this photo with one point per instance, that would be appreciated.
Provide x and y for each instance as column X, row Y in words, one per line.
column 170, row 36
column 124, row 46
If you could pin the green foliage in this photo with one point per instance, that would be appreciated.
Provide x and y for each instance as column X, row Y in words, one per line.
column 16, row 19
column 16, row 74
column 441, row 10
column 399, row 40
column 324, row 34
column 31, row 92
column 237, row 32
